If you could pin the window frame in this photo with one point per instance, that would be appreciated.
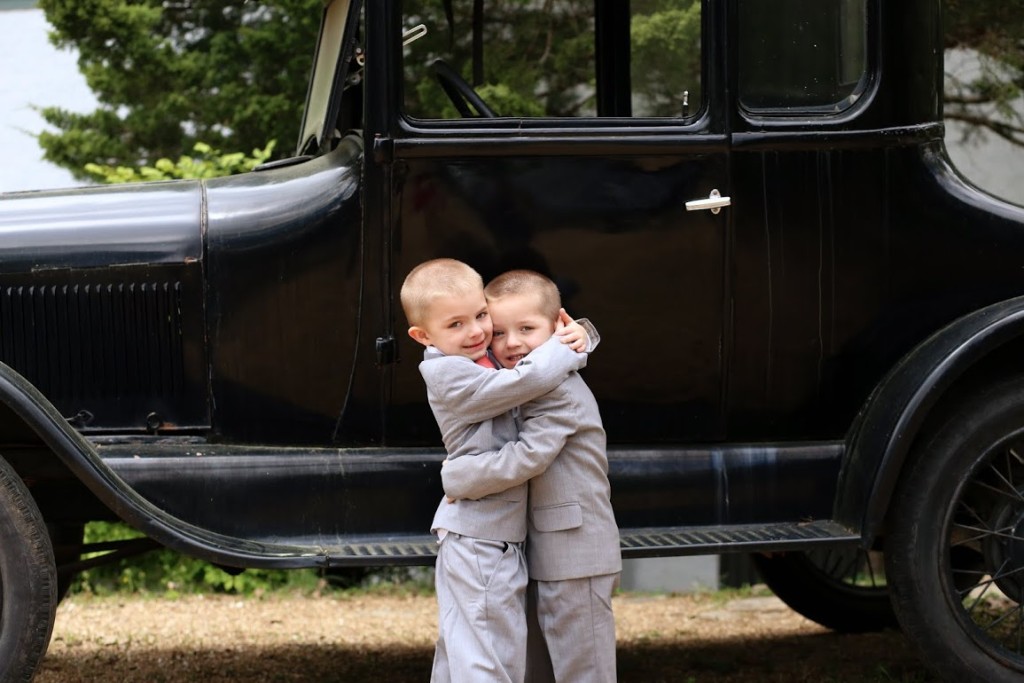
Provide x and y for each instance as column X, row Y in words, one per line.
column 708, row 113
column 327, row 75
column 824, row 115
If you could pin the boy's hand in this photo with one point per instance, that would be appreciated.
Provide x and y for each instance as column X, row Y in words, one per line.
column 448, row 498
column 571, row 332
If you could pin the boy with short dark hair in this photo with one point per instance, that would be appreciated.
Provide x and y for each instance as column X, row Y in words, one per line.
column 572, row 540
column 481, row 568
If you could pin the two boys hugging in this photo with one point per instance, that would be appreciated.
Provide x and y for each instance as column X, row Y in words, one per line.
column 528, row 504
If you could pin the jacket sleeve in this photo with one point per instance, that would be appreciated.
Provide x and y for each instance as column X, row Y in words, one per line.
column 593, row 336
column 542, row 437
column 476, row 394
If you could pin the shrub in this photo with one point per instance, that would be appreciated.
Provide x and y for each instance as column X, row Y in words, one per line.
column 166, row 571
column 205, row 163
column 169, row 573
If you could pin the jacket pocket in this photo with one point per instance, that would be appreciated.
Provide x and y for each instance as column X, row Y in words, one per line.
column 557, row 517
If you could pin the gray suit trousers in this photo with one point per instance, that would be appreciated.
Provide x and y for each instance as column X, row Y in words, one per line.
column 481, row 602
column 571, row 630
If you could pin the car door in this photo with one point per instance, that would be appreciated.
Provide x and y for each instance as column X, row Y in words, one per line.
column 815, row 316
column 609, row 119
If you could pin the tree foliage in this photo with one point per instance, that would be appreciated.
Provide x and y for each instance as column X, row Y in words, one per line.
column 990, row 97
column 168, row 572
column 233, row 74
column 206, row 162
column 660, row 28
column 169, row 74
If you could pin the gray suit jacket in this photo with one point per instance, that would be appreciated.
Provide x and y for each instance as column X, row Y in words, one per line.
column 562, row 452
column 472, row 406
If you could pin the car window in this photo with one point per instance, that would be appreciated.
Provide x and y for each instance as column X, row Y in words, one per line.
column 557, row 58
column 799, row 56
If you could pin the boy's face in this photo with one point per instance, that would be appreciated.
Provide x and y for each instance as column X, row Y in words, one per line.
column 456, row 326
column 519, row 327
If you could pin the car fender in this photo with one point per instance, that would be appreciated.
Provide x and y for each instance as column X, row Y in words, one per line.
column 80, row 456
column 881, row 436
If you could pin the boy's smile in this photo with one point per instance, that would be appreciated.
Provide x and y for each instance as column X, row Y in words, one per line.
column 456, row 326
column 519, row 327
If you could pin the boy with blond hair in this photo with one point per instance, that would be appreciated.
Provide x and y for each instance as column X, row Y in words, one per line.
column 481, row 571
column 572, row 543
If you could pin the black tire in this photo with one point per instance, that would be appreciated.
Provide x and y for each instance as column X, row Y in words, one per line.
column 28, row 580
column 955, row 547
column 843, row 589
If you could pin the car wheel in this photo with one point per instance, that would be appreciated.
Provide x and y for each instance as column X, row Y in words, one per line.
column 955, row 547
column 843, row 589
column 28, row 580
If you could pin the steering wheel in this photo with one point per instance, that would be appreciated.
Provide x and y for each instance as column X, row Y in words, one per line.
column 459, row 92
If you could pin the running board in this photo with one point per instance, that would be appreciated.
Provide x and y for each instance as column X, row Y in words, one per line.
column 653, row 542
column 746, row 538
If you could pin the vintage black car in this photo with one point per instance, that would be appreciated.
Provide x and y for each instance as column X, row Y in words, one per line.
column 813, row 325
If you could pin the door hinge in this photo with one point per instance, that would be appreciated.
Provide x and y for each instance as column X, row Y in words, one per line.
column 383, row 149
column 387, row 350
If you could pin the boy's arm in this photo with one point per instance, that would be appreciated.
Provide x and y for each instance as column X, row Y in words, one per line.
column 541, row 439
column 476, row 394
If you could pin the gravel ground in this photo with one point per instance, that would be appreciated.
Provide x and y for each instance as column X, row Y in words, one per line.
column 697, row 638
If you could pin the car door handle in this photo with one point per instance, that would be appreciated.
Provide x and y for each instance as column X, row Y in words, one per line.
column 715, row 202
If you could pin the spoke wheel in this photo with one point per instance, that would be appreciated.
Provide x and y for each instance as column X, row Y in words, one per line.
column 841, row 588
column 956, row 551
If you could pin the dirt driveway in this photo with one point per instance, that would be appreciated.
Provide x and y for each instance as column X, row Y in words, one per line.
column 388, row 639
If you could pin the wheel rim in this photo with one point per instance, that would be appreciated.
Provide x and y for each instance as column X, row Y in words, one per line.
column 984, row 552
column 852, row 569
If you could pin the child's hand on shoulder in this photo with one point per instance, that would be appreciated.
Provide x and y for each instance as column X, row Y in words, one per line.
column 571, row 332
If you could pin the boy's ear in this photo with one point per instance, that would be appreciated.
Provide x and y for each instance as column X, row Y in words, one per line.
column 420, row 335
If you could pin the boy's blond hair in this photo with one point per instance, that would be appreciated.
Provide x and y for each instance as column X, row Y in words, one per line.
column 521, row 282
column 432, row 280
